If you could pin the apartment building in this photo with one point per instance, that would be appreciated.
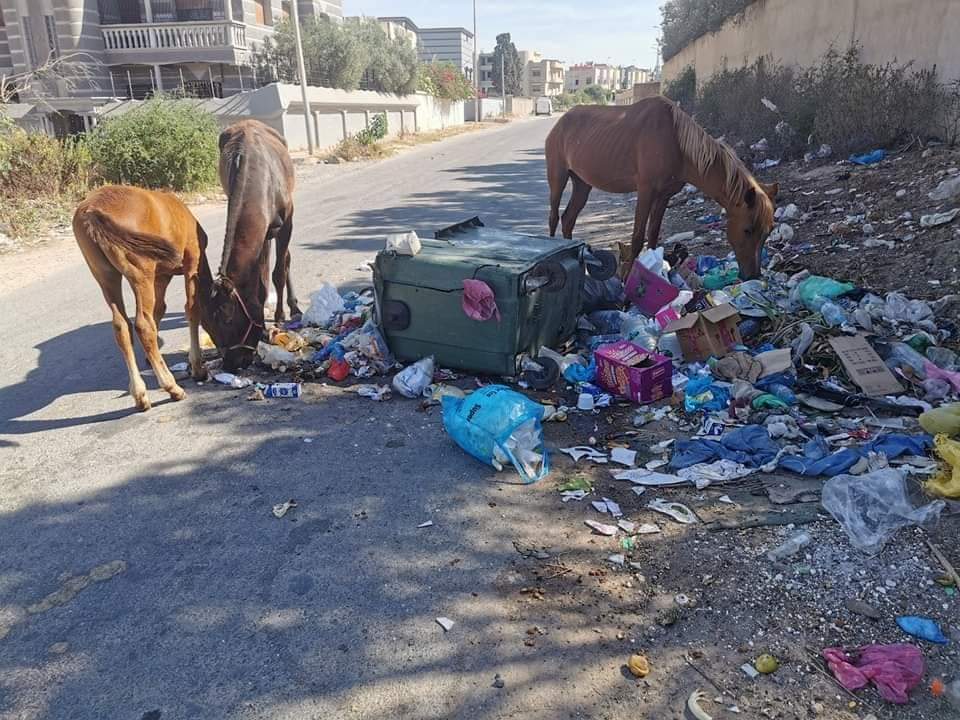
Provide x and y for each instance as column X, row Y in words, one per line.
column 401, row 27
column 451, row 44
column 631, row 75
column 485, row 73
column 539, row 75
column 132, row 48
column 580, row 76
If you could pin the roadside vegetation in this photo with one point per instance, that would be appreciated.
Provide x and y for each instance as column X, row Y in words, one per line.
column 590, row 95
column 840, row 101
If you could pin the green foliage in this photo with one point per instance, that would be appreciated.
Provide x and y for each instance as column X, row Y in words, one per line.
column 841, row 101
column 444, row 80
column 377, row 130
column 595, row 95
column 684, row 88
column 337, row 55
column 590, row 95
column 163, row 143
column 683, row 21
column 505, row 53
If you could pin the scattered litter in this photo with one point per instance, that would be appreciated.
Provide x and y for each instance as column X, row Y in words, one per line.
column 428, row 523
column 290, row 391
column 694, row 708
column 619, row 560
column 324, row 304
column 622, row 456
column 414, row 379
column 567, row 495
column 607, row 506
column 602, row 528
column 446, row 623
column 935, row 219
column 750, row 671
column 678, row 511
column 232, row 380
column 638, row 666
column 479, row 302
column 923, row 628
column 179, row 367
column 894, row 669
column 627, row 526
column 642, row 476
column 407, row 243
column 583, row 451
column 374, row 392
column 281, row 509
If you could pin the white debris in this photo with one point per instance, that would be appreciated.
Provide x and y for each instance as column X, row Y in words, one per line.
column 622, row 456
column 446, row 623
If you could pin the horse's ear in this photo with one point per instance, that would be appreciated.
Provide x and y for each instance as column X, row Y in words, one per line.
column 224, row 137
column 751, row 198
column 771, row 190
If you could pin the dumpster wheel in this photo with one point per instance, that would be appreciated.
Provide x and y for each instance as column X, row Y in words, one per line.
column 542, row 379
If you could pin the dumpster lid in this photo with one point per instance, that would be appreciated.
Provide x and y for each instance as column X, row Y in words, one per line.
column 471, row 240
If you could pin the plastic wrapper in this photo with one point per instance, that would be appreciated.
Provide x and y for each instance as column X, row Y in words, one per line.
column 496, row 425
column 947, row 482
column 600, row 295
column 815, row 290
column 873, row 506
column 275, row 356
column 943, row 420
column 702, row 394
column 894, row 669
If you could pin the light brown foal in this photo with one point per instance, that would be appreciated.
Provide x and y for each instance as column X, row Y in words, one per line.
column 146, row 237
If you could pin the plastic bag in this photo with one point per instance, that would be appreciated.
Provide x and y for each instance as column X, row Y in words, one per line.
column 894, row 669
column 324, row 304
column 923, row 628
column 942, row 420
column 947, row 482
column 899, row 308
column 369, row 342
column 495, row 422
column 275, row 356
column 479, row 302
column 873, row 506
column 641, row 331
column 702, row 394
column 414, row 379
column 600, row 295
column 816, row 290
column 407, row 243
column 720, row 278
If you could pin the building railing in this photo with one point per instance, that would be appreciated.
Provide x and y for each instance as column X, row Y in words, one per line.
column 163, row 36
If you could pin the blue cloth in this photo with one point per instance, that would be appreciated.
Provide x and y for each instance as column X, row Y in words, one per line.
column 817, row 459
column 577, row 373
column 706, row 263
column 868, row 158
column 750, row 445
column 718, row 398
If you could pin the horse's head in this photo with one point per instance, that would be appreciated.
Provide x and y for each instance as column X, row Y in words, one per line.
column 234, row 323
column 749, row 222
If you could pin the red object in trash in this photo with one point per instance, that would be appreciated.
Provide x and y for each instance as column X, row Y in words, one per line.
column 628, row 370
column 338, row 370
column 647, row 290
column 894, row 669
column 479, row 302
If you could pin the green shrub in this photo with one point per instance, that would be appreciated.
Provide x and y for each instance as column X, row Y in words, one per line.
column 683, row 89
column 377, row 130
column 163, row 143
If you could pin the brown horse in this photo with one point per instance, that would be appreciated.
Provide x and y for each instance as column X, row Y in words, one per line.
column 653, row 148
column 146, row 237
column 257, row 175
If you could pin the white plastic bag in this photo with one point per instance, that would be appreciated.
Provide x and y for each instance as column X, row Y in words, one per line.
column 275, row 356
column 414, row 379
column 407, row 243
column 873, row 506
column 324, row 304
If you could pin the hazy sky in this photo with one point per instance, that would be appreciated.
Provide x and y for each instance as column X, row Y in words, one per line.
column 622, row 33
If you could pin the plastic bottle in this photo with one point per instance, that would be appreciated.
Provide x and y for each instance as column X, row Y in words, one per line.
column 794, row 544
column 414, row 379
column 902, row 354
column 783, row 392
column 833, row 314
column 640, row 330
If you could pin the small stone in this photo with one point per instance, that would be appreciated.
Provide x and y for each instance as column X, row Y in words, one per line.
column 868, row 229
column 498, row 682
column 816, row 708
column 901, row 193
column 58, row 648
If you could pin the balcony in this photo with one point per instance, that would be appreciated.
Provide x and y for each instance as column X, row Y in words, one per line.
column 169, row 42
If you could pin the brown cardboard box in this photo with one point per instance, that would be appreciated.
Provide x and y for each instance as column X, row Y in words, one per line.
column 865, row 367
column 706, row 333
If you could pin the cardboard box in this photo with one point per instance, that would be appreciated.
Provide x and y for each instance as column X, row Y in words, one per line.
column 648, row 291
column 864, row 366
column 706, row 333
column 630, row 371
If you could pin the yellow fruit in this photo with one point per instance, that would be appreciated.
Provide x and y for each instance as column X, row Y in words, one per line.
column 766, row 664
column 638, row 665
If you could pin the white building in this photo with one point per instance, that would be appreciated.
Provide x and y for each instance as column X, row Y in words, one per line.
column 451, row 44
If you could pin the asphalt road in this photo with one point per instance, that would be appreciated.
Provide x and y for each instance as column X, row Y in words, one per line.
column 142, row 574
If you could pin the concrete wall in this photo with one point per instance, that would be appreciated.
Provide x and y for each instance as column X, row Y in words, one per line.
column 519, row 106
column 489, row 108
column 798, row 33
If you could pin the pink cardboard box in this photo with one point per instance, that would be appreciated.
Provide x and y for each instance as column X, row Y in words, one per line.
column 630, row 371
column 647, row 290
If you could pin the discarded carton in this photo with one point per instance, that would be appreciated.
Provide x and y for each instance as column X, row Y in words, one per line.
column 628, row 370
column 648, row 291
column 706, row 333
column 864, row 366
column 774, row 361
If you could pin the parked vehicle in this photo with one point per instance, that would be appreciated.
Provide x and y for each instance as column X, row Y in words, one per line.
column 544, row 106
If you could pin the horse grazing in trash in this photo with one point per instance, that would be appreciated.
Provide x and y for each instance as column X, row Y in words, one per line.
column 146, row 237
column 653, row 148
column 257, row 175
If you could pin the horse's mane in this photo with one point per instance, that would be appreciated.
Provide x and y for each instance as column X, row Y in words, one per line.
column 705, row 152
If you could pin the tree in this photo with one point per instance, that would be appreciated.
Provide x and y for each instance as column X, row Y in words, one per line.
column 67, row 70
column 332, row 57
column 444, row 80
column 390, row 66
column 505, row 55
column 595, row 94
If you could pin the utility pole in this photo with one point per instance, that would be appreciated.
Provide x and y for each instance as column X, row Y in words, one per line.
column 476, row 73
column 303, row 73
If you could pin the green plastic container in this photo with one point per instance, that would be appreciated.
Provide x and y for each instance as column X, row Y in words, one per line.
column 537, row 283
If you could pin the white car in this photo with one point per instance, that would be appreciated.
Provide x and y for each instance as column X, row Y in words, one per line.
column 543, row 106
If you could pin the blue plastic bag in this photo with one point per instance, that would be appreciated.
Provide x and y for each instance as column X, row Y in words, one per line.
column 702, row 394
column 869, row 158
column 496, row 424
column 923, row 628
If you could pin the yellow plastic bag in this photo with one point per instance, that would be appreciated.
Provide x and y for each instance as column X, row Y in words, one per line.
column 944, row 419
column 947, row 482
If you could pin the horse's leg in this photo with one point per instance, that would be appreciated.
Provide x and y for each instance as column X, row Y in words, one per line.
column 281, row 272
column 111, row 285
column 146, row 326
column 192, row 289
column 578, row 198
column 160, row 283
column 557, row 177
column 657, row 211
column 644, row 201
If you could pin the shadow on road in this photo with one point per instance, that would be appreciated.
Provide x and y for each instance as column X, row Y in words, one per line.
column 74, row 360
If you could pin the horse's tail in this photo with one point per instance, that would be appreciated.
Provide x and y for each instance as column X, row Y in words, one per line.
column 104, row 230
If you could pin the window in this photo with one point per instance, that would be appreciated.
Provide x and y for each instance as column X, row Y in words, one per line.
column 53, row 41
column 264, row 12
column 576, row 82
column 534, row 73
column 28, row 44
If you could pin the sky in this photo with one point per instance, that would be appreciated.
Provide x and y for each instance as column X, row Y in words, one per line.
column 615, row 32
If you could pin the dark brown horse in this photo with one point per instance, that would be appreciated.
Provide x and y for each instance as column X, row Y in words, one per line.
column 257, row 175
column 653, row 148
column 146, row 237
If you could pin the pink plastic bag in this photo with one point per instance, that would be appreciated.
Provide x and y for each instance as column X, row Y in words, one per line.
column 938, row 373
column 894, row 669
column 479, row 302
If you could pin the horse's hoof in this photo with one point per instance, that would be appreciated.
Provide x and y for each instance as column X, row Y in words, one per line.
column 177, row 393
column 142, row 403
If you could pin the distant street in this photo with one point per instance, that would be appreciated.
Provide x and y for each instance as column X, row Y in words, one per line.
column 193, row 601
